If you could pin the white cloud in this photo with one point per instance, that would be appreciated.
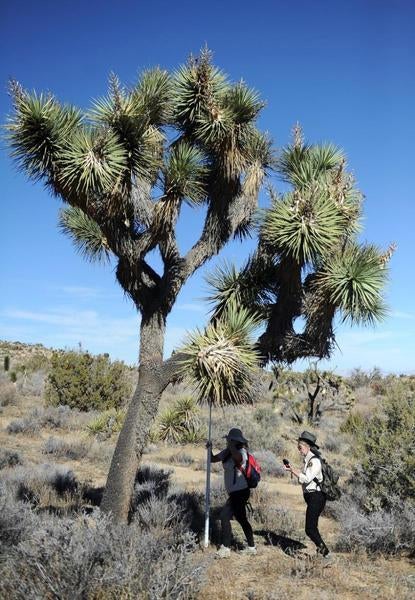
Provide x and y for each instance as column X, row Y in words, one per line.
column 192, row 307
column 81, row 292
column 66, row 327
column 397, row 314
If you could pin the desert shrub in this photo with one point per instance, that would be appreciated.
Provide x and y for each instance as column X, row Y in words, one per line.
column 64, row 449
column 271, row 516
column 385, row 451
column 107, row 423
column 354, row 424
column 378, row 511
column 381, row 531
column 90, row 557
column 50, row 417
column 332, row 444
column 86, row 382
column 28, row 425
column 41, row 485
column 180, row 424
column 9, row 459
column 16, row 520
column 181, row 458
column 32, row 384
column 7, row 392
column 150, row 481
column 261, row 432
column 270, row 465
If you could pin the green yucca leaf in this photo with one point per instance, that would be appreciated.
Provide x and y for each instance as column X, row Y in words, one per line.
column 246, row 288
column 171, row 426
column 243, row 103
column 354, row 281
column 215, row 126
column 37, row 132
column 303, row 165
column 85, row 233
column 257, row 148
column 130, row 116
column 153, row 95
column 93, row 162
column 185, row 173
column 220, row 360
column 325, row 157
column 197, row 87
column 304, row 227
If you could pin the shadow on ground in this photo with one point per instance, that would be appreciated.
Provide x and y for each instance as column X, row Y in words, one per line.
column 287, row 545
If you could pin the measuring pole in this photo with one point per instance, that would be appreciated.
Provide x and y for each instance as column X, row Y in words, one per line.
column 207, row 497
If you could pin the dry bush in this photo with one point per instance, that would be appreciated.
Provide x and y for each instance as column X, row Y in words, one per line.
column 43, row 485
column 90, row 558
column 182, row 458
column 51, row 417
column 270, row 465
column 17, row 520
column 383, row 531
column 9, row 459
column 63, row 449
column 260, row 427
column 7, row 392
column 274, row 517
column 32, row 384
column 75, row 556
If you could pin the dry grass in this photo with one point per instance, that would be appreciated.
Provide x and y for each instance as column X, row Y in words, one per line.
column 272, row 574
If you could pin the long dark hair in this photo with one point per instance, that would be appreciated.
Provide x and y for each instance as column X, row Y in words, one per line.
column 315, row 451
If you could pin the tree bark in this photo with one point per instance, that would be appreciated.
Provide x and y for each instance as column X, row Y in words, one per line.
column 140, row 416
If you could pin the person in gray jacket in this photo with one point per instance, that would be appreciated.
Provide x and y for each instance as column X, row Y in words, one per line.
column 234, row 459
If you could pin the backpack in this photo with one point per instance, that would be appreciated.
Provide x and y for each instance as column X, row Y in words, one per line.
column 329, row 485
column 252, row 472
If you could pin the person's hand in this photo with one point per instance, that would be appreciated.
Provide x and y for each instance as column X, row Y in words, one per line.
column 208, row 445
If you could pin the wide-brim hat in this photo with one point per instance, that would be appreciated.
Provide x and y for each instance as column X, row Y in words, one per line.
column 309, row 438
column 235, row 434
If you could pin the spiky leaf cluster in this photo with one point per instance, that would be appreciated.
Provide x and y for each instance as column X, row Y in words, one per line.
column 308, row 263
column 86, row 234
column 305, row 226
column 168, row 139
column 219, row 360
column 354, row 281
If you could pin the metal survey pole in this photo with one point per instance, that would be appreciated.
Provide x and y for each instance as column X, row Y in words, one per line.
column 207, row 497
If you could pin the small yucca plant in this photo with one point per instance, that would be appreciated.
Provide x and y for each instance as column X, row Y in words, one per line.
column 108, row 422
column 170, row 426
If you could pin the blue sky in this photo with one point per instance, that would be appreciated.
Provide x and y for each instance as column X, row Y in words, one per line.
column 345, row 70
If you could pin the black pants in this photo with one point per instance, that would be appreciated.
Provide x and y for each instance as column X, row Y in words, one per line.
column 236, row 507
column 315, row 501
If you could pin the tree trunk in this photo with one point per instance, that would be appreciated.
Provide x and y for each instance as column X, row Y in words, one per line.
column 140, row 416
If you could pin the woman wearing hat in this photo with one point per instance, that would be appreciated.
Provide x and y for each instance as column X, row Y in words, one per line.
column 234, row 458
column 310, row 477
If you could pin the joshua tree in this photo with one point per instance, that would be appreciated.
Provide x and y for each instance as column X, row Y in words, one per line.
column 124, row 170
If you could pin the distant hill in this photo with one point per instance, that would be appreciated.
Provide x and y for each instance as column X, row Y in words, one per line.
column 23, row 354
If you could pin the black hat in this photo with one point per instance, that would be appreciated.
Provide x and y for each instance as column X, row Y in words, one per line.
column 236, row 435
column 309, row 438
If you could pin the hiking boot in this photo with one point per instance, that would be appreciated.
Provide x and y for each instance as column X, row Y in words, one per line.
column 323, row 550
column 249, row 550
column 223, row 552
